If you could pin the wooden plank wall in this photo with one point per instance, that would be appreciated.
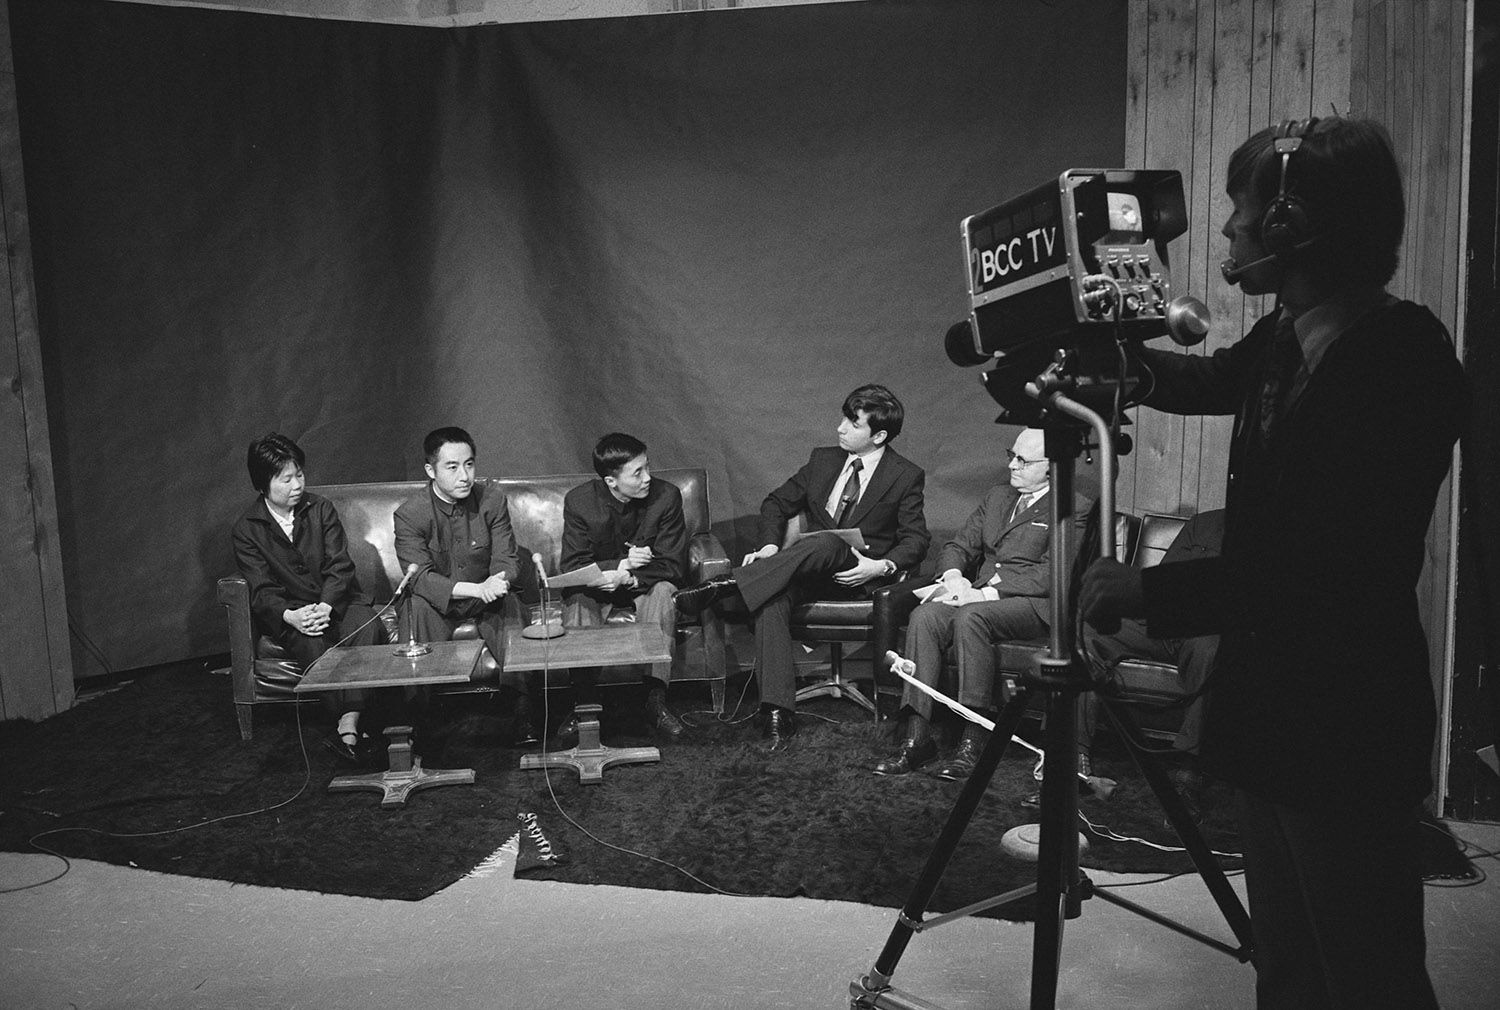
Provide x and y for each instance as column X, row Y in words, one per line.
column 36, row 671
column 1412, row 72
column 1204, row 75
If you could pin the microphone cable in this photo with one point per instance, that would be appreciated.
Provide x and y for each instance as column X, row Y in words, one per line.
column 552, row 792
column 306, row 781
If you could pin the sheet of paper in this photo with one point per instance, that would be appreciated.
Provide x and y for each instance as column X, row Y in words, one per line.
column 851, row 537
column 577, row 577
column 927, row 593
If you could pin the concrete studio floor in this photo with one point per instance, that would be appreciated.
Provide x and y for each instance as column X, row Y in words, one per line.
column 114, row 937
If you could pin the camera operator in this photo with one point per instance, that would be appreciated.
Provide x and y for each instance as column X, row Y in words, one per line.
column 1347, row 404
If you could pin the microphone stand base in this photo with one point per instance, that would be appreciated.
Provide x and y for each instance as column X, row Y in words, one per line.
column 411, row 650
column 552, row 629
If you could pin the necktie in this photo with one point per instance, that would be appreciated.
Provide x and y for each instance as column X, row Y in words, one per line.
column 850, row 493
column 1022, row 504
column 1285, row 356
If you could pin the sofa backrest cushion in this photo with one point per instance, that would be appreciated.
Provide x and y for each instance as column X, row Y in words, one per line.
column 536, row 505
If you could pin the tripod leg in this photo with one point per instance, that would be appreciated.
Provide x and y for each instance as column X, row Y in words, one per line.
column 1057, row 891
column 942, row 850
column 1182, row 822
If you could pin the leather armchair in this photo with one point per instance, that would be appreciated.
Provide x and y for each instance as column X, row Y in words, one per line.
column 835, row 622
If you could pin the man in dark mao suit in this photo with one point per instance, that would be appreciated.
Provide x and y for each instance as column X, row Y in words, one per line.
column 863, row 484
column 460, row 538
column 995, row 580
column 631, row 526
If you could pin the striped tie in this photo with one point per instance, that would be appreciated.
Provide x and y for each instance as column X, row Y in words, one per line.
column 850, row 494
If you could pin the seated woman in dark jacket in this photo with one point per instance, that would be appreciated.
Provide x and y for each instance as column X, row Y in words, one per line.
column 290, row 548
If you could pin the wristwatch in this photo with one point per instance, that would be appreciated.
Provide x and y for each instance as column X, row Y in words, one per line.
column 890, row 567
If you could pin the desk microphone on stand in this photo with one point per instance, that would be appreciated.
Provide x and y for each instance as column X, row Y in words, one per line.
column 548, row 624
column 413, row 648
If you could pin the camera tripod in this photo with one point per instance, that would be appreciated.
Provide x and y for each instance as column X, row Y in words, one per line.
column 1060, row 886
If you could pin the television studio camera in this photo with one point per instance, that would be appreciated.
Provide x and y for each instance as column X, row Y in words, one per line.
column 1065, row 282
column 1077, row 265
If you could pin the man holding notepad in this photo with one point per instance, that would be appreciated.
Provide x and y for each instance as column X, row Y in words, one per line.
column 863, row 502
column 631, row 529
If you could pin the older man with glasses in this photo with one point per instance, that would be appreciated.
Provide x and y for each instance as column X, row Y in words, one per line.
column 994, row 583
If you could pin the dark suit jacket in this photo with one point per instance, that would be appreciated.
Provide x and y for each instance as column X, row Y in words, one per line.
column 888, row 514
column 591, row 532
column 423, row 540
column 314, row 568
column 1020, row 549
column 1322, row 694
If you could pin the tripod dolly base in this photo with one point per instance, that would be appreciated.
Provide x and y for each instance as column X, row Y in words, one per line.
column 1024, row 842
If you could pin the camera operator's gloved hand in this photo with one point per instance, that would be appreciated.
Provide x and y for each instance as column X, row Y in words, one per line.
column 1109, row 592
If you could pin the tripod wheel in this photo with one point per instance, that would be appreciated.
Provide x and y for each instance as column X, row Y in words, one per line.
column 1024, row 841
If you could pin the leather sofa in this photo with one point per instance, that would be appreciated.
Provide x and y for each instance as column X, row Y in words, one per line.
column 263, row 674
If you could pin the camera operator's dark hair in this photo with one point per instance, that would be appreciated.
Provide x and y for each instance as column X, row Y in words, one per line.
column 1347, row 180
column 440, row 437
column 615, row 450
column 885, row 411
column 267, row 455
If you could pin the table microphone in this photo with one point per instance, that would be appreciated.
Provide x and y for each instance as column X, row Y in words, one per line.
column 413, row 648
column 411, row 572
column 548, row 625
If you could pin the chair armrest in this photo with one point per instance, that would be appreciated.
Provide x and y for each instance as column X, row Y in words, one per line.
column 707, row 558
column 234, row 594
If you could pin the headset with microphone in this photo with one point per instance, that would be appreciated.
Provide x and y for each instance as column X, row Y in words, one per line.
column 1284, row 227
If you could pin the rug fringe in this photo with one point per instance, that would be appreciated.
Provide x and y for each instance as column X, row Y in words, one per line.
column 493, row 861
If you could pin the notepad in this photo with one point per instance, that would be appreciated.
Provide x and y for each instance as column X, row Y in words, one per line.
column 578, row 577
column 851, row 537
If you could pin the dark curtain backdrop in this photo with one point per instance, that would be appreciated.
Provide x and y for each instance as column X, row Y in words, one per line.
column 704, row 229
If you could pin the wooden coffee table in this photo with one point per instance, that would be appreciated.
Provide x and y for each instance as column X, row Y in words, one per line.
column 609, row 645
column 367, row 666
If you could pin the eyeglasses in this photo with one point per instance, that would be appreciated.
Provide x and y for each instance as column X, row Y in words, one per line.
column 1011, row 457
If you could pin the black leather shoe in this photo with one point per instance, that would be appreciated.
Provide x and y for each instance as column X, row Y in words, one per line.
column 566, row 736
column 662, row 719
column 961, row 765
column 908, row 758
column 694, row 600
column 781, row 726
column 1033, row 801
column 346, row 746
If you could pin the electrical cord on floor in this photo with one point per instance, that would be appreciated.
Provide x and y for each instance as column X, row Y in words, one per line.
column 306, row 781
column 68, row 865
column 1109, row 834
column 733, row 718
column 557, row 803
